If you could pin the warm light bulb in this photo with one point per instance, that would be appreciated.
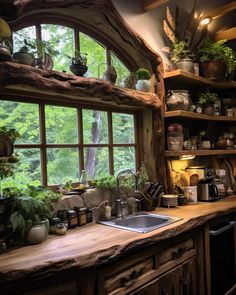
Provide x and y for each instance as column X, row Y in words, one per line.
column 205, row 21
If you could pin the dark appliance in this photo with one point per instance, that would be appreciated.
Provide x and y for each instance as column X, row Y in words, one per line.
column 222, row 256
column 207, row 190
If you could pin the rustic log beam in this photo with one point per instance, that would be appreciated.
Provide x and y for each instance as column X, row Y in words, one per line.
column 151, row 4
column 63, row 83
column 229, row 34
column 222, row 10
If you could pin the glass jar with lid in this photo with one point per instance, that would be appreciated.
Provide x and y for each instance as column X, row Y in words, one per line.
column 178, row 100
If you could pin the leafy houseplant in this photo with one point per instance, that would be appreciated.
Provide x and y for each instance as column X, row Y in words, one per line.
column 206, row 100
column 181, row 56
column 216, row 59
column 79, row 63
column 28, row 210
column 143, row 79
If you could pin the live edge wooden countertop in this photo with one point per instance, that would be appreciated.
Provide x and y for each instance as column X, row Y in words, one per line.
column 94, row 243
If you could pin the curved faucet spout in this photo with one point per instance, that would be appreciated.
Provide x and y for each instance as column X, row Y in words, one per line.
column 119, row 201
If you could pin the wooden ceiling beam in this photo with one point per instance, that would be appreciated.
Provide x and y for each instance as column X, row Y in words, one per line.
column 228, row 34
column 151, row 4
column 222, row 10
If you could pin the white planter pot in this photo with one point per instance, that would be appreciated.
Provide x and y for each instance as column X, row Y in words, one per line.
column 38, row 233
column 143, row 85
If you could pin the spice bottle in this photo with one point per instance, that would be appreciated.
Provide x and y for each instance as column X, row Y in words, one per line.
column 72, row 218
column 89, row 215
column 81, row 215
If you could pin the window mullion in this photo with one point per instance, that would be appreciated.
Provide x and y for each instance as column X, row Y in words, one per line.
column 110, row 140
column 81, row 139
column 77, row 39
column 43, row 150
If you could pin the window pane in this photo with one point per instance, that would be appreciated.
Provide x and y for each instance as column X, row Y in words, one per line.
column 27, row 171
column 121, row 69
column 28, row 33
column 24, row 117
column 123, row 128
column 62, row 165
column 96, row 54
column 61, row 39
column 124, row 157
column 96, row 162
column 95, row 126
column 61, row 124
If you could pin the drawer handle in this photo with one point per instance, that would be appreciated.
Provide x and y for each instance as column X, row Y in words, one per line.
column 127, row 281
column 177, row 254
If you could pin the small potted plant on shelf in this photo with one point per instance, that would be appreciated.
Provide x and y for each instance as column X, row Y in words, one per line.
column 207, row 101
column 181, row 56
column 143, row 79
column 79, row 63
column 217, row 61
column 5, row 34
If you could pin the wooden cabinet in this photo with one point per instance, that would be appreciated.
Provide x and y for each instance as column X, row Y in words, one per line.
column 181, row 280
column 167, row 268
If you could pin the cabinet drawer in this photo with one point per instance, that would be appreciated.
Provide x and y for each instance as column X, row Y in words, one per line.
column 122, row 278
column 176, row 254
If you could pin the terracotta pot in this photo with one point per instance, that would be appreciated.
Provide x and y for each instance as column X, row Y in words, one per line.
column 215, row 70
column 78, row 69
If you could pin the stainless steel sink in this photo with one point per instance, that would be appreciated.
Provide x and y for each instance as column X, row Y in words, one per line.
column 142, row 222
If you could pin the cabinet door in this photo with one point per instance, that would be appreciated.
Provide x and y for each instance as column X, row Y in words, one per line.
column 189, row 283
column 167, row 284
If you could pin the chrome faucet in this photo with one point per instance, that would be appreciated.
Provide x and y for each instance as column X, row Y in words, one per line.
column 121, row 203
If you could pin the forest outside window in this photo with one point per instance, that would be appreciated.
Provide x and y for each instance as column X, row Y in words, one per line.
column 62, row 42
column 58, row 141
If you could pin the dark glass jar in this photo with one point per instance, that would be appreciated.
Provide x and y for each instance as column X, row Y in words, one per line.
column 81, row 214
column 72, row 219
column 54, row 222
column 89, row 215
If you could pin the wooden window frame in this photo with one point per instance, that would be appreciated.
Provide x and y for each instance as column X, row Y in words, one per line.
column 43, row 145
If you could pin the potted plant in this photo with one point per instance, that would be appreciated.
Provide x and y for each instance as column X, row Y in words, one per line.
column 28, row 211
column 79, row 63
column 5, row 33
column 25, row 54
column 143, row 79
column 207, row 100
column 216, row 59
column 181, row 57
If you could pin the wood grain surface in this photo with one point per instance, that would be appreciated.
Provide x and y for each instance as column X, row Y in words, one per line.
column 95, row 244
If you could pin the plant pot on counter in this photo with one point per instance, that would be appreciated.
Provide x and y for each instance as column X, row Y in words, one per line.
column 214, row 70
column 38, row 233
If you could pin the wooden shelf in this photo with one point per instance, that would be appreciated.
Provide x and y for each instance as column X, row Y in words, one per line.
column 196, row 116
column 199, row 152
column 186, row 77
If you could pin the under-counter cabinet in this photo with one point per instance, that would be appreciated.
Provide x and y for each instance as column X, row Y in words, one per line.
column 181, row 280
column 168, row 268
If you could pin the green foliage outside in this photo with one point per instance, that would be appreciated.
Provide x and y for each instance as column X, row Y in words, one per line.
column 61, row 122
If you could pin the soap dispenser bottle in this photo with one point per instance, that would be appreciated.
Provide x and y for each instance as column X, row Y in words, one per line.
column 107, row 211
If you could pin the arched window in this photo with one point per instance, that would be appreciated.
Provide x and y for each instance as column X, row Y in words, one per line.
column 59, row 139
column 61, row 42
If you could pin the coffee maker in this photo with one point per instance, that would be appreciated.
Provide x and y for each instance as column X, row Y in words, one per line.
column 207, row 190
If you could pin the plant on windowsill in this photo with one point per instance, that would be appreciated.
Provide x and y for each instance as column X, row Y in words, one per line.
column 143, row 80
column 217, row 61
column 79, row 63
